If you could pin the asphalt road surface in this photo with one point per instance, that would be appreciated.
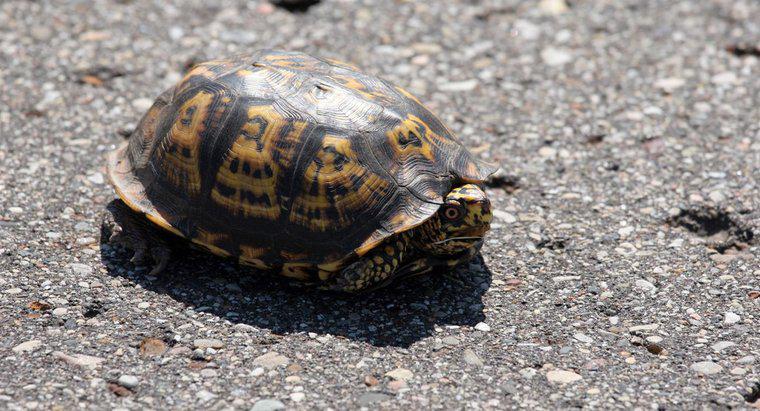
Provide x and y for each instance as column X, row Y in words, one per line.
column 622, row 271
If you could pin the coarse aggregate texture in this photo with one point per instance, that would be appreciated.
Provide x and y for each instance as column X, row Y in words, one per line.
column 622, row 271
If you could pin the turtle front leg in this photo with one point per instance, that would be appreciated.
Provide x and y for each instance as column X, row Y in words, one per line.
column 374, row 269
column 137, row 234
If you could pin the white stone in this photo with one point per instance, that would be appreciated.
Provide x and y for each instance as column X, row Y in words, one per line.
column 271, row 360
column 562, row 376
column 15, row 210
column 400, row 374
column 80, row 269
column 85, row 240
column 458, row 86
column 528, row 373
column 738, row 371
column 706, row 367
column 583, row 338
column 27, row 346
column 527, row 30
column 727, row 77
column 722, row 345
column 553, row 6
column 268, row 405
column 205, row 396
column 208, row 343
column 142, row 104
column 645, row 285
column 80, row 360
column 563, row 278
column 470, row 357
column 747, row 359
column 60, row 311
column 128, row 381
column 504, row 216
column 716, row 196
column 626, row 231
column 96, row 178
column 553, row 56
column 731, row 318
column 669, row 84
column 645, row 327
column 481, row 326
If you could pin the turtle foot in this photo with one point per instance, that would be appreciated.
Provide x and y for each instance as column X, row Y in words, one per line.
column 131, row 230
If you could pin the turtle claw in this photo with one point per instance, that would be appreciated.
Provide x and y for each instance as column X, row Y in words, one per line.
column 161, row 255
column 139, row 257
column 138, row 235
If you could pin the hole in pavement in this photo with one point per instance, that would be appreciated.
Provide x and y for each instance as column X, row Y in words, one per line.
column 754, row 394
column 744, row 49
column 507, row 182
column 721, row 231
column 295, row 6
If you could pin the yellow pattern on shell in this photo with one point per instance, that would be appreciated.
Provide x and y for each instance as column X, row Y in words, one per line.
column 179, row 158
column 336, row 165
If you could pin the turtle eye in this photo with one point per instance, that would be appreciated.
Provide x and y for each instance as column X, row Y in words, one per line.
column 452, row 212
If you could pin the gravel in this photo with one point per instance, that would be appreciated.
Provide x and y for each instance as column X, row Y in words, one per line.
column 629, row 208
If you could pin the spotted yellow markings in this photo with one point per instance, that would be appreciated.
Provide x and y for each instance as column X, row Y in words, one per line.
column 335, row 188
column 179, row 159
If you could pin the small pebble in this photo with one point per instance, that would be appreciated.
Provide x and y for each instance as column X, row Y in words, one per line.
column 562, row 376
column 731, row 318
column 471, row 358
column 706, row 367
column 482, row 327
column 208, row 373
column 142, row 104
column 128, row 381
column 722, row 345
column 553, row 56
column 205, row 396
column 450, row 340
column 268, row 405
column 208, row 343
column 60, row 311
column 583, row 338
column 271, row 360
column 27, row 346
column 400, row 374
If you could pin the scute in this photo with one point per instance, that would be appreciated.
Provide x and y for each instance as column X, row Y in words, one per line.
column 282, row 158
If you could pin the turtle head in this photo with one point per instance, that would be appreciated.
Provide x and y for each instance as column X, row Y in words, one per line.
column 460, row 223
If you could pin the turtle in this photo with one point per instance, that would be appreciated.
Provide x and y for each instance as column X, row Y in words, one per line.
column 303, row 166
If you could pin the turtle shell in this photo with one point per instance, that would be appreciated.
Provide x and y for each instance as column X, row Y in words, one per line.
column 281, row 157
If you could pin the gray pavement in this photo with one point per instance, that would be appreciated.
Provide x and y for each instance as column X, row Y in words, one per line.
column 622, row 271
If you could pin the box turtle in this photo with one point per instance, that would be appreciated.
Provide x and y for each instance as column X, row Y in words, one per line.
column 303, row 166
